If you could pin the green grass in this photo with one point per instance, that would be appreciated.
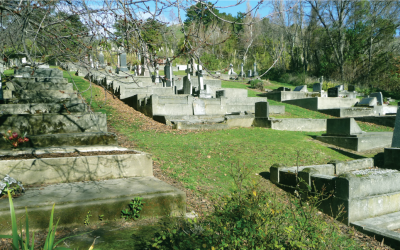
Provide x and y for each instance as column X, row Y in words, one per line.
column 201, row 160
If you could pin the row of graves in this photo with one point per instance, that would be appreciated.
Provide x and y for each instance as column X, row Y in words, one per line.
column 356, row 192
column 63, row 154
column 194, row 101
column 345, row 105
column 197, row 101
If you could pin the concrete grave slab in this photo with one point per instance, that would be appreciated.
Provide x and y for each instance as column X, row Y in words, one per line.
column 199, row 107
column 317, row 87
column 342, row 126
column 108, row 198
column 368, row 102
column 379, row 97
column 302, row 88
column 360, row 142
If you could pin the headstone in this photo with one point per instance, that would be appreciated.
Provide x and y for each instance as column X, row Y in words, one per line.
column 284, row 89
column 168, row 73
column 23, row 60
column 396, row 132
column 187, row 84
column 340, row 87
column 261, row 110
column 122, row 62
column 10, row 86
column 333, row 92
column 255, row 69
column 321, row 80
column 101, row 60
column 242, row 74
column 302, row 88
column 200, row 80
column 379, row 97
column 351, row 88
column 317, row 87
column 157, row 79
column 249, row 73
column 342, row 126
column 199, row 107
column 368, row 102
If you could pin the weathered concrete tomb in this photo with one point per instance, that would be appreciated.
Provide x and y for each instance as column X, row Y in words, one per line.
column 73, row 155
column 368, row 196
column 345, row 132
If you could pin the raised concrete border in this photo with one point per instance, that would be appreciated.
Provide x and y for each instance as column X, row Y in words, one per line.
column 360, row 142
column 74, row 200
column 292, row 124
column 381, row 228
column 81, row 168
column 317, row 103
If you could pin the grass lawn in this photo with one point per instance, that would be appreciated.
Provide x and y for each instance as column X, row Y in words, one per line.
column 202, row 160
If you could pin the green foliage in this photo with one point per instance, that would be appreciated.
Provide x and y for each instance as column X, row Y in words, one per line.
column 253, row 218
column 210, row 61
column 257, row 84
column 135, row 207
column 87, row 218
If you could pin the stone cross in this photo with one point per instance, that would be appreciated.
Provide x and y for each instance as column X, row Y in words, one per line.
column 101, row 59
column 157, row 80
column 168, row 73
column 187, row 70
column 255, row 69
column 200, row 78
column 241, row 70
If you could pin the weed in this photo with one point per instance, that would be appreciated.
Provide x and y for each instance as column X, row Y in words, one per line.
column 87, row 218
column 253, row 218
column 101, row 217
column 133, row 212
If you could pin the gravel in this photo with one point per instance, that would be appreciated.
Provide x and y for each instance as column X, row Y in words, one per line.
column 374, row 171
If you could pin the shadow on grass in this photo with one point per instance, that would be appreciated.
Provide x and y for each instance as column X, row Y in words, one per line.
column 348, row 154
column 265, row 175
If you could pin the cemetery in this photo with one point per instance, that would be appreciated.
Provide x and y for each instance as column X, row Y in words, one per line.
column 46, row 106
column 159, row 125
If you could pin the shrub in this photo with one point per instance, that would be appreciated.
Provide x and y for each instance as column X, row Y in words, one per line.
column 253, row 218
column 257, row 84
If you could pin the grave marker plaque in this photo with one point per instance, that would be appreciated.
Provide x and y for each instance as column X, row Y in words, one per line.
column 261, row 110
column 333, row 92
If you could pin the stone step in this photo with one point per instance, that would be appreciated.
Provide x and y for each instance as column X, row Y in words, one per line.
column 37, row 94
column 67, row 139
column 38, row 73
column 59, row 169
column 25, row 80
column 40, row 108
column 39, row 124
column 50, row 100
column 381, row 227
column 73, row 201
column 33, row 85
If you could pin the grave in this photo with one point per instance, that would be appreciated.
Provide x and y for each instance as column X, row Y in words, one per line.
column 369, row 196
column 56, row 120
column 345, row 133
column 302, row 88
column 378, row 96
column 333, row 92
column 392, row 153
column 317, row 87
